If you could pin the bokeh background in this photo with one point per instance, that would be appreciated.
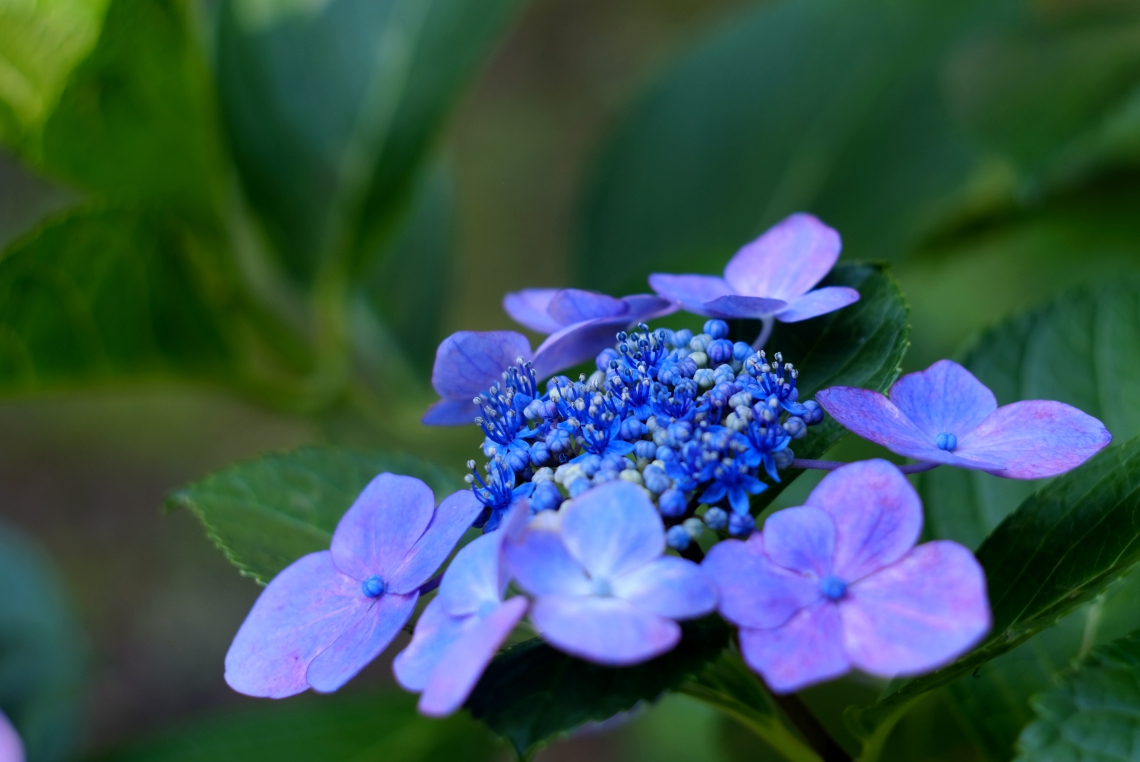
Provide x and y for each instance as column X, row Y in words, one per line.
column 987, row 150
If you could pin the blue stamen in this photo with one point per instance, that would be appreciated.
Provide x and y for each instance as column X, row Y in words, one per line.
column 946, row 441
column 832, row 588
column 374, row 586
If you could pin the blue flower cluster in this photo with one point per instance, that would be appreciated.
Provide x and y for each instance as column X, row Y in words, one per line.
column 696, row 420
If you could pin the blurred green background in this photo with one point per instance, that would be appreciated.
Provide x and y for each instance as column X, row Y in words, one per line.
column 988, row 150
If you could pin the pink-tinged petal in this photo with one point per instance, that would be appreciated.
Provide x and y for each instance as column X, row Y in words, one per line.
column 801, row 539
column 11, row 747
column 1034, row 439
column 918, row 614
column 816, row 303
column 472, row 578
column 877, row 516
column 435, row 631
column 669, row 586
column 465, row 660
column 753, row 591
column 944, row 398
column 451, row 413
column 451, row 519
column 542, row 566
column 646, row 307
column 529, row 308
column 573, row 305
column 612, row 529
column 576, row 344
column 361, row 643
column 468, row 362
column 786, row 261
column 734, row 306
column 297, row 616
column 386, row 520
column 806, row 650
column 874, row 417
column 689, row 291
column 603, row 630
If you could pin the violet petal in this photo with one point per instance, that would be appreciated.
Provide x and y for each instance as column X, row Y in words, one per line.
column 735, row 306
column 435, row 631
column 1035, row 439
column 917, row 614
column 669, row 586
column 11, row 746
column 529, row 308
column 801, row 539
column 542, row 566
column 807, row 649
column 299, row 614
column 451, row 519
column 612, row 529
column 603, row 630
column 646, row 307
column 362, row 642
column 468, row 362
column 472, row 578
column 465, row 660
column 454, row 412
column 753, row 591
column 576, row 344
column 877, row 515
column 816, row 303
column 874, row 417
column 944, row 398
column 573, row 305
column 377, row 532
column 690, row 291
column 786, row 261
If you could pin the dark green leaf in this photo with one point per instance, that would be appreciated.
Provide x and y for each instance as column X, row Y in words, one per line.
column 344, row 728
column 136, row 121
column 107, row 294
column 1094, row 714
column 531, row 693
column 1064, row 545
column 266, row 513
column 331, row 107
column 860, row 345
column 42, row 652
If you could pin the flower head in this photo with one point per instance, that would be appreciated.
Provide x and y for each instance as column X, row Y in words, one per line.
column 11, row 747
column 462, row 628
column 771, row 276
column 602, row 588
column 945, row 415
column 328, row 614
column 467, row 364
column 838, row 583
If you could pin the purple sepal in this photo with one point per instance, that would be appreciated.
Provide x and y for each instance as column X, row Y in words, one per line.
column 580, row 341
column 362, row 642
column 11, row 746
column 529, row 308
column 691, row 292
column 466, row 364
column 451, row 519
column 603, row 630
column 732, row 306
column 818, row 302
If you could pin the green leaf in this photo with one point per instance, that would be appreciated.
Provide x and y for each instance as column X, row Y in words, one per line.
column 103, row 295
column 42, row 652
column 532, row 694
column 382, row 727
column 861, row 345
column 331, row 107
column 1094, row 714
column 266, row 513
column 1063, row 546
column 831, row 106
column 41, row 41
column 136, row 121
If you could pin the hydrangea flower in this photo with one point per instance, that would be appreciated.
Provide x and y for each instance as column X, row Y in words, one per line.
column 328, row 614
column 945, row 415
column 770, row 277
column 468, row 363
column 838, row 584
column 459, row 632
column 580, row 323
column 11, row 747
column 602, row 588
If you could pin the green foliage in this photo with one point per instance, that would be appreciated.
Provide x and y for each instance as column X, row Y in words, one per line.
column 266, row 513
column 1064, row 545
column 861, row 345
column 332, row 106
column 1092, row 714
column 531, row 693
column 107, row 294
column 381, row 727
column 41, row 652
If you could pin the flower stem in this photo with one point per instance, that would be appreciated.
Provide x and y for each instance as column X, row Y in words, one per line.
column 431, row 584
column 766, row 324
column 811, row 729
column 831, row 465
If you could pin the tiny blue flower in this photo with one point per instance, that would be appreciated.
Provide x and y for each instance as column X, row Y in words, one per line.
column 673, row 502
column 677, row 538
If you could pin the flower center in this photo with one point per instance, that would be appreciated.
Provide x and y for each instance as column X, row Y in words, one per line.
column 832, row 587
column 603, row 589
column 485, row 609
column 374, row 586
column 946, row 441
